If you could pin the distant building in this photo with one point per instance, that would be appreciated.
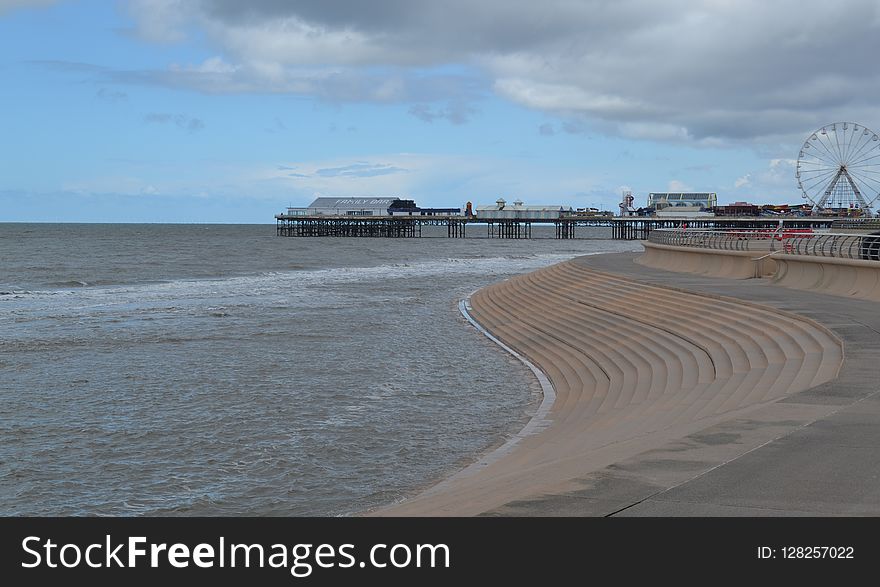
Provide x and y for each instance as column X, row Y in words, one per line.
column 737, row 209
column 345, row 207
column 501, row 211
column 409, row 208
column 660, row 200
column 683, row 203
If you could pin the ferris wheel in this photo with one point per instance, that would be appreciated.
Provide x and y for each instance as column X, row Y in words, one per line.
column 839, row 167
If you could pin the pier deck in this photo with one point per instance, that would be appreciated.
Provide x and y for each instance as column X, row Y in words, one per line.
column 623, row 228
column 411, row 226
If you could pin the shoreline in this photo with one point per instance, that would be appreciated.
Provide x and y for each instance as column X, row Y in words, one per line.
column 539, row 420
column 524, row 468
column 533, row 422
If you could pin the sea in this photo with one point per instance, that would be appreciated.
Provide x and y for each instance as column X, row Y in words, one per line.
column 220, row 370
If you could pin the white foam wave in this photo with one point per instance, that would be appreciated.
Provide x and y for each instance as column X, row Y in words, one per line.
column 271, row 288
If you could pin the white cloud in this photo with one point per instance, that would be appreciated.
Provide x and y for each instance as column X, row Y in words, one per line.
column 562, row 97
column 679, row 186
column 161, row 21
column 783, row 163
column 711, row 72
column 432, row 179
column 455, row 113
column 292, row 41
column 773, row 183
column 655, row 131
column 124, row 185
column 386, row 174
column 212, row 65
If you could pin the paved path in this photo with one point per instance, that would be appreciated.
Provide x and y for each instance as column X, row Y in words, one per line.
column 814, row 453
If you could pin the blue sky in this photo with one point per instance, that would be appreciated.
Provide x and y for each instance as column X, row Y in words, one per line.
column 167, row 111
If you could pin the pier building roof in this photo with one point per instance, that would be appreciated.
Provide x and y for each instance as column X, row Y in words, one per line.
column 367, row 202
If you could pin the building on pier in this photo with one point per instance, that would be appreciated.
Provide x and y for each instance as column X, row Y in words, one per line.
column 519, row 211
column 409, row 208
column 345, row 207
column 368, row 207
column 682, row 204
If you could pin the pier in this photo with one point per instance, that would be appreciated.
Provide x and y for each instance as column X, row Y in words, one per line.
column 350, row 226
column 411, row 226
column 622, row 228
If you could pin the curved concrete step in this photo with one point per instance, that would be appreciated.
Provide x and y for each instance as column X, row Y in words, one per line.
column 633, row 365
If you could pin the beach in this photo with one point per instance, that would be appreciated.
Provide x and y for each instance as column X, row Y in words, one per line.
column 677, row 394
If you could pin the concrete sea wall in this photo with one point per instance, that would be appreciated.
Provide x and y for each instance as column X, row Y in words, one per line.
column 855, row 278
column 709, row 262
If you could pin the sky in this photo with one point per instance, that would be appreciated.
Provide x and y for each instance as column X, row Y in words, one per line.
column 230, row 111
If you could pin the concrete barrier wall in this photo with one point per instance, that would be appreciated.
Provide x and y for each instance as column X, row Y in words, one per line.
column 711, row 262
column 841, row 277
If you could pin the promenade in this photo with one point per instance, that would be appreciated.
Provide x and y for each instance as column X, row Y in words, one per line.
column 674, row 402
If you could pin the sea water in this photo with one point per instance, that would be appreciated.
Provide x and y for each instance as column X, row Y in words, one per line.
column 221, row 370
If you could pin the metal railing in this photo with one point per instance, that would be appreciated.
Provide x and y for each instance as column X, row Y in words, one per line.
column 864, row 224
column 784, row 242
column 723, row 240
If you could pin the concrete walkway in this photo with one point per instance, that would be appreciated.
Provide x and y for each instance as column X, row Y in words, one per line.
column 680, row 404
column 813, row 453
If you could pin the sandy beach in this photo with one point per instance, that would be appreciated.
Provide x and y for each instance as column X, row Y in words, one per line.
column 660, row 381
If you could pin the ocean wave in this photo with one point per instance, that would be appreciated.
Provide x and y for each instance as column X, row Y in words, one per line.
column 288, row 283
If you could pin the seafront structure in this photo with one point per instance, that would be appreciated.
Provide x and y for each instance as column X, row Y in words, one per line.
column 501, row 210
column 838, row 172
column 520, row 225
column 682, row 385
column 344, row 207
column 397, row 221
column 843, row 263
column 683, row 204
column 838, row 168
column 640, row 371
column 683, row 381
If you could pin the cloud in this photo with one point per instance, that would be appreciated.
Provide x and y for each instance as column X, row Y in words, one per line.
column 181, row 121
column 546, row 130
column 62, row 66
column 774, row 182
column 370, row 174
column 112, row 184
column 743, row 181
column 710, row 72
column 575, row 127
column 111, row 95
column 359, row 170
column 9, row 5
column 455, row 113
column 679, row 186
column 701, row 167
column 432, row 179
column 212, row 65
column 160, row 21
column 215, row 75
